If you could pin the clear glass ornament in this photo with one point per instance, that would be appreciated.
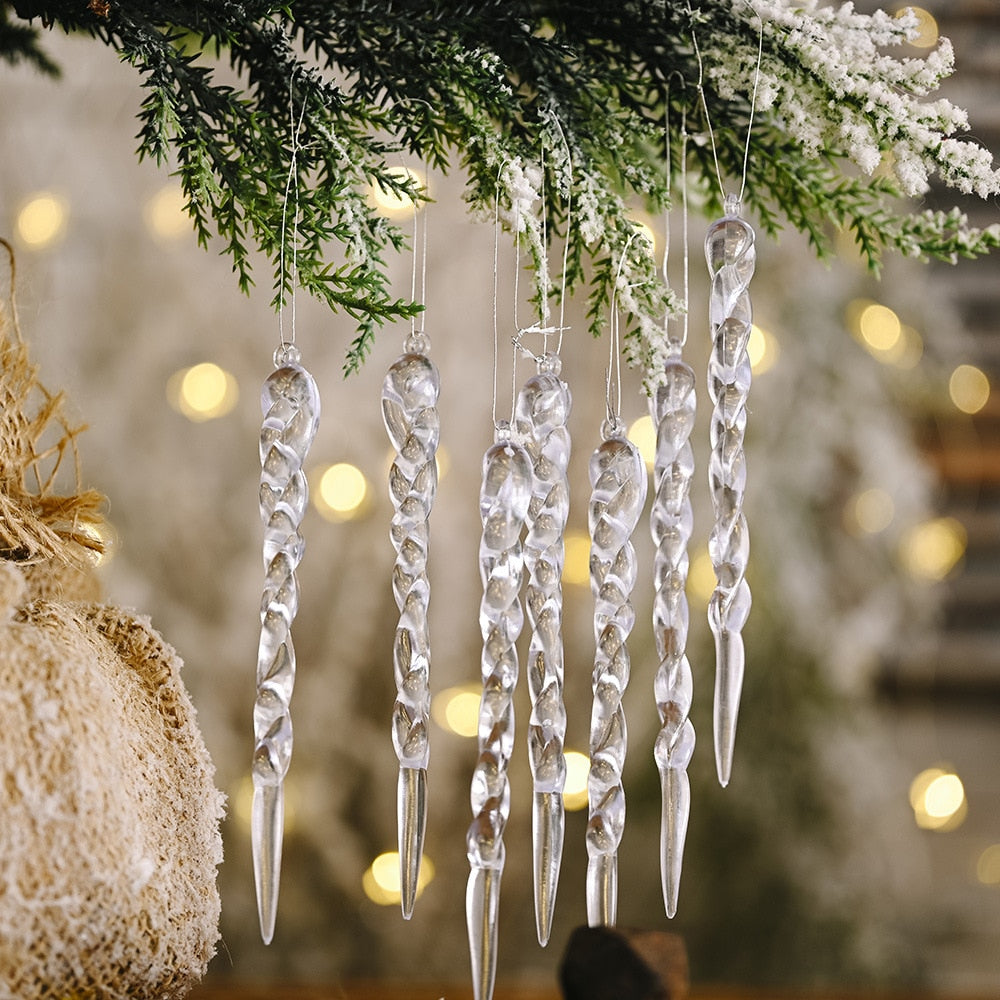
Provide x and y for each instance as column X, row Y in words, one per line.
column 291, row 407
column 409, row 409
column 618, row 483
column 672, row 408
column 731, row 257
column 541, row 412
column 503, row 505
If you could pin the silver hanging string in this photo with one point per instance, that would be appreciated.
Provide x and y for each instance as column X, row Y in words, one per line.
column 569, row 225
column 704, row 101
column 496, row 284
column 543, row 291
column 753, row 99
column 614, row 370
column 291, row 187
column 676, row 343
column 546, row 329
column 423, row 267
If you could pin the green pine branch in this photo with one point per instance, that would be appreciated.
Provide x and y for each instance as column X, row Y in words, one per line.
column 270, row 113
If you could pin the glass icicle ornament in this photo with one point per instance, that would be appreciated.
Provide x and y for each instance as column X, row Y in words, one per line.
column 503, row 506
column 542, row 410
column 409, row 409
column 291, row 406
column 672, row 408
column 731, row 257
column 618, row 482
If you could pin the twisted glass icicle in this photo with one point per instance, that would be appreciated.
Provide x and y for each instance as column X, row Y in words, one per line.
column 291, row 406
column 618, row 481
column 542, row 410
column 672, row 409
column 731, row 257
column 503, row 505
column 409, row 409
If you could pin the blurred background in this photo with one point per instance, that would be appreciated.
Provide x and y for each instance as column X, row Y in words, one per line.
column 859, row 841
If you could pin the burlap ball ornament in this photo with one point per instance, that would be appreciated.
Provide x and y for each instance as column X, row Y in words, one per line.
column 109, row 816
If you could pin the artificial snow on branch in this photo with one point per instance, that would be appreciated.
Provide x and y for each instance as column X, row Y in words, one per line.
column 846, row 128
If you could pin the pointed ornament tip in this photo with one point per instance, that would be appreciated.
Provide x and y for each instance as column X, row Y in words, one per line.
column 412, row 822
column 267, row 821
column 548, row 831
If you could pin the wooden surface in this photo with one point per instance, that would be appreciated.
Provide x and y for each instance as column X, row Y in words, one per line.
column 405, row 991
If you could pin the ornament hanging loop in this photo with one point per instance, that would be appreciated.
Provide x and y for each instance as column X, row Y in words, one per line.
column 675, row 343
column 613, row 375
column 753, row 104
column 291, row 189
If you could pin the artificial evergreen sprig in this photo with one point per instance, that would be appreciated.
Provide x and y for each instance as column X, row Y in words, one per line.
column 530, row 93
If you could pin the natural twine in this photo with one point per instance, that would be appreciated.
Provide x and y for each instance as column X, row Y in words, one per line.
column 109, row 815
column 36, row 522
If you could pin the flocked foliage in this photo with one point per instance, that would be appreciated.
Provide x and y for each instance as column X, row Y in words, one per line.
column 251, row 101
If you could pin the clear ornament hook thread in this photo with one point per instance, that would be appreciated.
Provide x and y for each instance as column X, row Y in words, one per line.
column 704, row 101
column 291, row 187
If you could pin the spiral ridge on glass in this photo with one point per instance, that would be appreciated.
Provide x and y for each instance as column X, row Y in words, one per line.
column 291, row 407
column 618, row 492
column 672, row 408
column 503, row 505
column 410, row 392
column 541, row 412
column 731, row 257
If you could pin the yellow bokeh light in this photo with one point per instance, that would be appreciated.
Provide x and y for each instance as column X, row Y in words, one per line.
column 937, row 797
column 165, row 213
column 701, row 576
column 872, row 510
column 931, row 550
column 988, row 865
column 577, row 775
column 456, row 709
column 342, row 492
column 202, row 392
column 391, row 203
column 969, row 388
column 642, row 434
column 853, row 313
column 204, row 388
column 645, row 234
column 943, row 796
column 380, row 881
column 42, row 220
column 880, row 328
column 763, row 350
column 576, row 568
column 927, row 27
column 920, row 784
column 911, row 349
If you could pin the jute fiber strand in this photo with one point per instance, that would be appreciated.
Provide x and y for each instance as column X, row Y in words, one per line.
column 109, row 817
